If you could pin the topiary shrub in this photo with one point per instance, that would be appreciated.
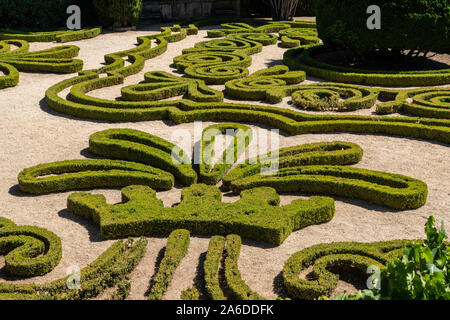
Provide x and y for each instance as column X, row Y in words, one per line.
column 118, row 13
column 422, row 25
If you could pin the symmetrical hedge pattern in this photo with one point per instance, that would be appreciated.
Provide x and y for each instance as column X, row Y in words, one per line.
column 29, row 251
column 295, row 37
column 270, row 27
column 271, row 84
column 257, row 215
column 221, row 60
column 334, row 97
column 425, row 102
column 291, row 175
column 161, row 85
column 328, row 260
column 303, row 59
column 109, row 269
column 57, row 60
column 176, row 249
column 58, row 36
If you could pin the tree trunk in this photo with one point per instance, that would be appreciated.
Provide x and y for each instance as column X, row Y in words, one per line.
column 283, row 10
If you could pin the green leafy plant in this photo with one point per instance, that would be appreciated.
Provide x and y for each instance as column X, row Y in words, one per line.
column 422, row 273
column 118, row 13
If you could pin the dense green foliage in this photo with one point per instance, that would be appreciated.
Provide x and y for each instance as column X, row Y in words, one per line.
column 56, row 59
column 42, row 14
column 108, row 270
column 176, row 249
column 405, row 25
column 329, row 260
column 49, row 36
column 303, row 59
column 257, row 215
column 29, row 251
column 118, row 13
column 422, row 272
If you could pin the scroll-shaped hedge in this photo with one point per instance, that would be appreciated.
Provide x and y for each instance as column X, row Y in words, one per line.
column 109, row 269
column 387, row 189
column 294, row 37
column 91, row 173
column 271, row 84
column 257, row 215
column 139, row 146
column 424, row 102
column 334, row 97
column 162, row 85
column 29, row 251
column 57, row 60
column 176, row 248
column 328, row 260
column 220, row 60
column 243, row 135
column 322, row 153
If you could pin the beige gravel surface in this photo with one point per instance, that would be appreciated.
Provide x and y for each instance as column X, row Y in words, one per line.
column 33, row 134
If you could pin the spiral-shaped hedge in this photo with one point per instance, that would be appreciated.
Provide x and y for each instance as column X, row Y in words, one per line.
column 29, row 251
column 334, row 97
column 220, row 60
column 294, row 37
column 271, row 84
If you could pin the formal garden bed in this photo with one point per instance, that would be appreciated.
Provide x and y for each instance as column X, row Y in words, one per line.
column 99, row 170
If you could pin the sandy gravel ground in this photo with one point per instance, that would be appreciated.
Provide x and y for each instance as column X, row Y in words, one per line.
column 33, row 134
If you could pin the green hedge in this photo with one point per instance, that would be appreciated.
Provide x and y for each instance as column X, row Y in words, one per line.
column 271, row 84
column 176, row 249
column 255, row 216
column 161, row 85
column 49, row 36
column 302, row 59
column 382, row 188
column 322, row 153
column 220, row 60
column 425, row 102
column 57, row 60
column 243, row 135
column 334, row 97
column 91, row 173
column 139, row 146
column 295, row 37
column 211, row 267
column 118, row 13
column 329, row 259
column 235, row 284
column 29, row 251
column 109, row 269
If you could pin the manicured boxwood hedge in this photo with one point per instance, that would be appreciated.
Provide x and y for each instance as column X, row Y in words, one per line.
column 91, row 173
column 109, row 269
column 271, row 84
column 162, row 85
column 29, row 251
column 322, row 153
column 212, row 174
column 211, row 268
column 382, row 188
column 57, row 60
column 142, row 147
column 176, row 249
column 221, row 60
column 328, row 260
column 295, row 37
column 256, row 216
column 49, row 36
column 233, row 279
column 303, row 59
